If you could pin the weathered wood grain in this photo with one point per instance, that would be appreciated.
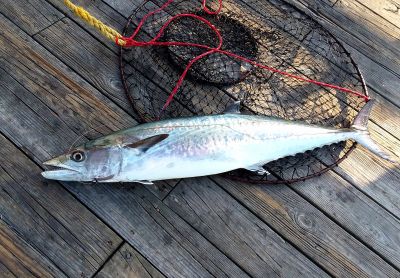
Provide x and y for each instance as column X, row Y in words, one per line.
column 89, row 60
column 32, row 15
column 387, row 116
column 381, row 67
column 383, row 107
column 48, row 221
column 98, row 9
column 377, row 134
column 54, row 86
column 358, row 20
column 125, row 7
column 79, row 106
column 376, row 178
column 237, row 232
column 6, row 272
column 168, row 242
column 18, row 258
column 100, row 60
column 380, row 80
column 126, row 262
column 69, row 122
column 354, row 211
column 136, row 214
column 379, row 113
column 310, row 230
column 380, row 14
column 386, row 9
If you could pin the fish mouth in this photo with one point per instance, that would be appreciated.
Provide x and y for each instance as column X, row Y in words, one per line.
column 61, row 172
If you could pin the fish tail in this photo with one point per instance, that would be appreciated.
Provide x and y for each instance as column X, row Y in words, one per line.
column 362, row 136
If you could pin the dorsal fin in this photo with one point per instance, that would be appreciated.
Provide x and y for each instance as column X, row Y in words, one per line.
column 233, row 108
column 361, row 120
column 147, row 143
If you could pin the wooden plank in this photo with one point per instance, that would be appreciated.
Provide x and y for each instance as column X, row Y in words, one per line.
column 339, row 253
column 386, row 115
column 31, row 15
column 355, row 18
column 6, row 272
column 377, row 79
column 381, row 80
column 98, row 58
column 127, row 262
column 121, row 6
column 50, row 221
column 103, row 61
column 125, row 7
column 379, row 114
column 376, row 178
column 237, row 232
column 354, row 211
column 386, row 139
column 52, row 82
column 136, row 214
column 92, row 61
column 19, row 259
column 87, row 121
column 99, row 10
column 378, row 13
column 380, row 50
column 167, row 241
column 378, row 117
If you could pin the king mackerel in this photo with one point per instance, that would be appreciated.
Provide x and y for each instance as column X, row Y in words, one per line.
column 200, row 146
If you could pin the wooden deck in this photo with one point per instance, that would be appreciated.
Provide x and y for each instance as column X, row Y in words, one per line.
column 58, row 79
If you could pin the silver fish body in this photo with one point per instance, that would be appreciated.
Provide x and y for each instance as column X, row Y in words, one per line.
column 198, row 146
column 210, row 145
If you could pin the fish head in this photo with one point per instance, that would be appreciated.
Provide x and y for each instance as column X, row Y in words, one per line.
column 85, row 164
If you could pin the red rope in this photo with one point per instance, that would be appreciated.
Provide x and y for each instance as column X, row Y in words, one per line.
column 131, row 42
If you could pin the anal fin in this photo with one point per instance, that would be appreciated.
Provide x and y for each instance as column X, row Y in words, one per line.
column 144, row 182
column 258, row 169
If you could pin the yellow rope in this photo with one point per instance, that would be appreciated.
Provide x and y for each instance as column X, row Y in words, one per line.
column 107, row 31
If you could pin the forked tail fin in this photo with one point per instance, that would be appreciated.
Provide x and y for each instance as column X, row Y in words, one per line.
column 362, row 135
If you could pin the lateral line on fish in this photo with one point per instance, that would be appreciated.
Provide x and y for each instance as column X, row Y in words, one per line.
column 254, row 138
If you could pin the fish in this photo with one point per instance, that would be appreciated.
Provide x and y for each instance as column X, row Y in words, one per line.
column 201, row 146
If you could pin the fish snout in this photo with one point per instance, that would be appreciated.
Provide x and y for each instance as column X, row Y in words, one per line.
column 62, row 171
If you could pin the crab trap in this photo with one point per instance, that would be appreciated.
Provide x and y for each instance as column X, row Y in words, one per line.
column 271, row 57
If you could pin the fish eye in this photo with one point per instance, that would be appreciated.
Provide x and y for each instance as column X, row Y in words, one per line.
column 78, row 156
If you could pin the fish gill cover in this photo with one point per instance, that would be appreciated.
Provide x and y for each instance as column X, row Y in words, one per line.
column 279, row 47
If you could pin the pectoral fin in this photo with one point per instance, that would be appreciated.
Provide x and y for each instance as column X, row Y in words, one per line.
column 147, row 143
column 258, row 169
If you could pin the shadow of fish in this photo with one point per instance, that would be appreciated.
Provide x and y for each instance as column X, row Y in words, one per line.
column 200, row 146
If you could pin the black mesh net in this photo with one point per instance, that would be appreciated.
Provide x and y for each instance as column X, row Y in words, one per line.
column 269, row 32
